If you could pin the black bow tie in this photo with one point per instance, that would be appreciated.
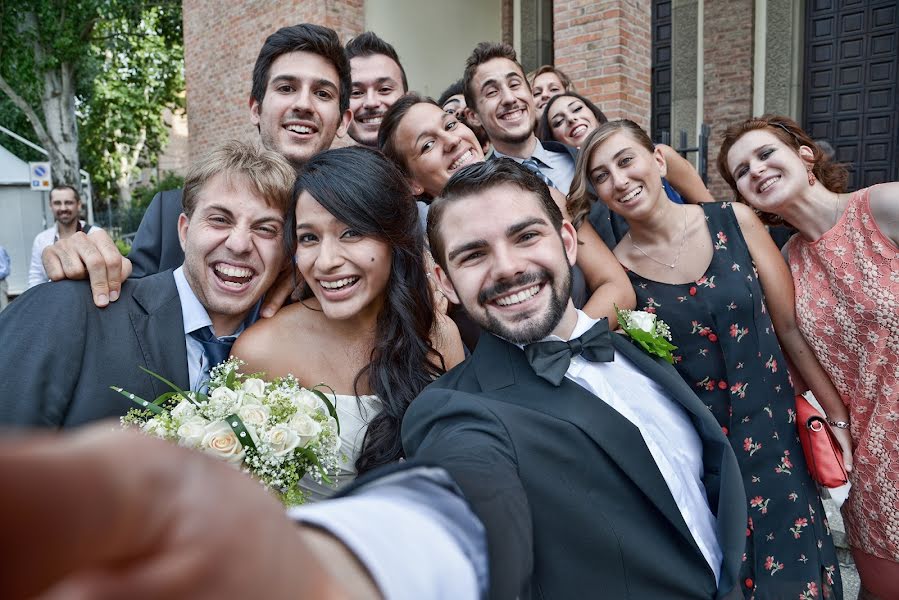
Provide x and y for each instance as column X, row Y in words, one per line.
column 550, row 360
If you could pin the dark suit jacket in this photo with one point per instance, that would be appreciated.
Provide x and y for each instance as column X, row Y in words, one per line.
column 156, row 246
column 572, row 501
column 59, row 353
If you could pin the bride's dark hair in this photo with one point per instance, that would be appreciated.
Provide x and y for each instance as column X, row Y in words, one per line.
column 364, row 190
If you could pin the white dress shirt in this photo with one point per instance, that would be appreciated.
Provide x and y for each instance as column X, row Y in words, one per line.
column 666, row 428
column 36, row 272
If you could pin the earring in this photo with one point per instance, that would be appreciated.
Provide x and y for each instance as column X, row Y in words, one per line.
column 811, row 176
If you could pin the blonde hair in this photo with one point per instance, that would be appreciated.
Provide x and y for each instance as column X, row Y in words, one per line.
column 582, row 195
column 267, row 172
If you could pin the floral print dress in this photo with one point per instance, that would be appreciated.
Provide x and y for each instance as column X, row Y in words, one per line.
column 729, row 354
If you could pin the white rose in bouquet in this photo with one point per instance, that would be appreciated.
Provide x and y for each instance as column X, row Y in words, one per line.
column 192, row 431
column 253, row 386
column 253, row 413
column 185, row 410
column 306, row 401
column 641, row 320
column 221, row 441
column 282, row 439
column 305, row 426
column 223, row 401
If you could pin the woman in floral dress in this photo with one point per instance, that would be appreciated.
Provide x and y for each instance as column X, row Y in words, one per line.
column 845, row 266
column 695, row 267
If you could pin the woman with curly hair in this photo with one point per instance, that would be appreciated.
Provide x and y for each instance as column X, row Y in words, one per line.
column 845, row 267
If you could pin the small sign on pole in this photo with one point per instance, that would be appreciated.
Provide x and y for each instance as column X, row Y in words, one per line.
column 40, row 176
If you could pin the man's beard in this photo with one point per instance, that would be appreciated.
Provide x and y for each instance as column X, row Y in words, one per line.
column 536, row 327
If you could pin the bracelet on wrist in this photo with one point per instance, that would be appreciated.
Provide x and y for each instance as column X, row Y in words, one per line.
column 838, row 424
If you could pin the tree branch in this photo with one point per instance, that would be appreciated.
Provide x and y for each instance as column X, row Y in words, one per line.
column 26, row 108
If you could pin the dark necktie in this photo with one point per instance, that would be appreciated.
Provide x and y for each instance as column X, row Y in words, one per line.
column 216, row 349
column 550, row 360
column 532, row 165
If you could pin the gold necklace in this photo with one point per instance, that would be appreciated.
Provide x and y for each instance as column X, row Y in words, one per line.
column 679, row 250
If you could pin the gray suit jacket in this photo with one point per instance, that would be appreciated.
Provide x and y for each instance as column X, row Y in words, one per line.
column 571, row 498
column 59, row 353
column 156, row 246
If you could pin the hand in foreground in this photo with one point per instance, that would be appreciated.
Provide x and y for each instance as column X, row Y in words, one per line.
column 112, row 514
column 93, row 256
column 286, row 285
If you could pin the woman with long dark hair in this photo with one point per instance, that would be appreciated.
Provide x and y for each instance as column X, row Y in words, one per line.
column 367, row 326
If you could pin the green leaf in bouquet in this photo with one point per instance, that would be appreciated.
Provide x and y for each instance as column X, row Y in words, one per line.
column 240, row 430
column 166, row 396
column 167, row 382
column 144, row 404
column 230, row 378
column 332, row 408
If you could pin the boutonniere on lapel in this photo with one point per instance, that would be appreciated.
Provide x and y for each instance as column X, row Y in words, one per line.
column 648, row 331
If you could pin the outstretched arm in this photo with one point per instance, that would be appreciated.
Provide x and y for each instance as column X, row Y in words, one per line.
column 777, row 284
column 141, row 515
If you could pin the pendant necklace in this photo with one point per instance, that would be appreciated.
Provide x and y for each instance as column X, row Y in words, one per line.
column 676, row 256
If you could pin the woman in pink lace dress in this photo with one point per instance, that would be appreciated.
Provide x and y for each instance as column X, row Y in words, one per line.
column 845, row 266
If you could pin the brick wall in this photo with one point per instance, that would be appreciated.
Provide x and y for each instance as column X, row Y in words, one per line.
column 605, row 47
column 221, row 42
column 728, row 35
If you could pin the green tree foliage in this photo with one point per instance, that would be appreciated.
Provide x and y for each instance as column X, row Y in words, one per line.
column 139, row 65
column 101, row 68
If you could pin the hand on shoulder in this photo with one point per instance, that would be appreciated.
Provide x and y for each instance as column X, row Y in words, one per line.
column 91, row 256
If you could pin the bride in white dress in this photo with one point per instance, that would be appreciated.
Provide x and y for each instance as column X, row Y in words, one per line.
column 367, row 327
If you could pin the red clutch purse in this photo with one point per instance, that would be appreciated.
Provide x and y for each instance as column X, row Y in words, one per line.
column 823, row 454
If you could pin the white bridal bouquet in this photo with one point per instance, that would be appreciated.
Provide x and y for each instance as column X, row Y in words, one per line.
column 277, row 431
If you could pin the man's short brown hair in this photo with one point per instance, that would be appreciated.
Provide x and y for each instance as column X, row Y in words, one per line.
column 267, row 172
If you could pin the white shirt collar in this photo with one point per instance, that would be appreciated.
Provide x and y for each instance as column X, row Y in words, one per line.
column 193, row 313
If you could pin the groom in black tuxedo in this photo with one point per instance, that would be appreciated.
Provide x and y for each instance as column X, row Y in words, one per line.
column 605, row 477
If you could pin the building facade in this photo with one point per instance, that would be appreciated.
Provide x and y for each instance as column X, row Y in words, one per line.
column 670, row 65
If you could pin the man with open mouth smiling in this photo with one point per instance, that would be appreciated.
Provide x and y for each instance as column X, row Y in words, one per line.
column 177, row 323
column 500, row 99
column 379, row 80
column 299, row 102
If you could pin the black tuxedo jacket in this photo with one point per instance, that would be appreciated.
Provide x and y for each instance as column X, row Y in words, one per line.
column 156, row 246
column 60, row 353
column 572, row 501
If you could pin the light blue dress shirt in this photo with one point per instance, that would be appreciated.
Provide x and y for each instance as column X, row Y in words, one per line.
column 558, row 166
column 195, row 317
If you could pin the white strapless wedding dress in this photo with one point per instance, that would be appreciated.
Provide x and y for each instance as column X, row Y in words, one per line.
column 354, row 414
